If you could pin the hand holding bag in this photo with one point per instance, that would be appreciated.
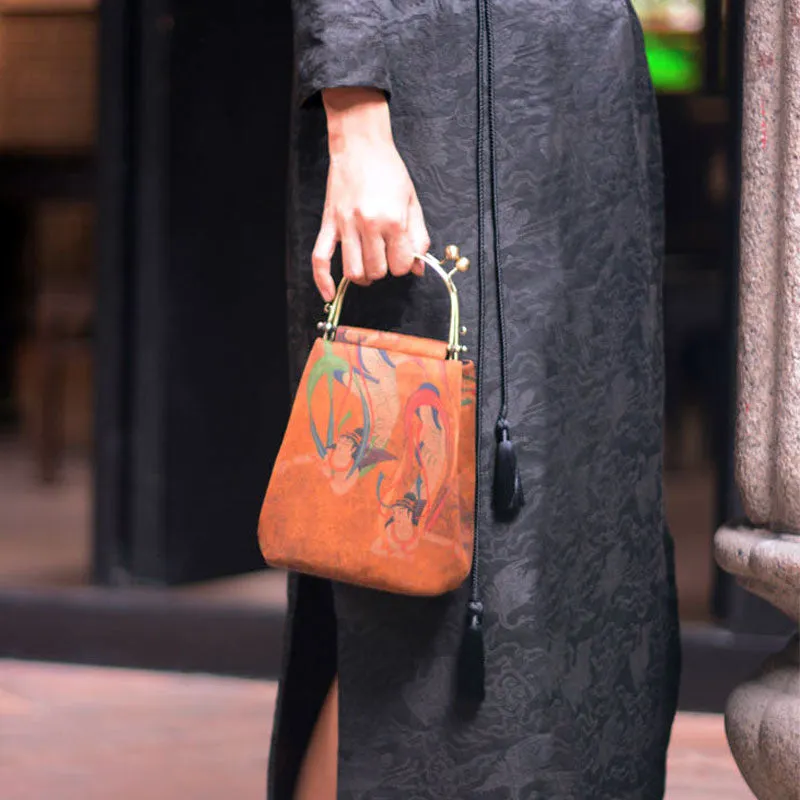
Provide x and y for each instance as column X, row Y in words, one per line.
column 374, row 483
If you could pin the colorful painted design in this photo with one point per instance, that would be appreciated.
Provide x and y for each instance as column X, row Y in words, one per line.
column 349, row 408
column 377, row 465
column 424, row 477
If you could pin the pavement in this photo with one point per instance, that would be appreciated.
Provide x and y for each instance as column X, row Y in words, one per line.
column 87, row 733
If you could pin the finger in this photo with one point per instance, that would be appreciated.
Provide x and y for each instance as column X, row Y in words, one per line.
column 400, row 253
column 373, row 253
column 418, row 233
column 321, row 259
column 398, row 247
column 352, row 262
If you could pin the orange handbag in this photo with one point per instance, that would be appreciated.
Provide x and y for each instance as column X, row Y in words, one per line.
column 374, row 483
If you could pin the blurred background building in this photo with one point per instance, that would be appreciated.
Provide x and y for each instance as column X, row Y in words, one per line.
column 143, row 387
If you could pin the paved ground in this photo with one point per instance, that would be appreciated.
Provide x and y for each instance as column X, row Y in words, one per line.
column 79, row 733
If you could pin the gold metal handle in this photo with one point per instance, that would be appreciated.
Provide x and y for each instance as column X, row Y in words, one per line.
column 460, row 264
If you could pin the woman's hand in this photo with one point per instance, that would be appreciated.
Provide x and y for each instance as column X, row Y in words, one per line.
column 371, row 207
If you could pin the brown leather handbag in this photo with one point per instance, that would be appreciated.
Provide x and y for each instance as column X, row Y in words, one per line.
column 374, row 483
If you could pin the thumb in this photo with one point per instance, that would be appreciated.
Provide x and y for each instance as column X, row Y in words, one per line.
column 321, row 258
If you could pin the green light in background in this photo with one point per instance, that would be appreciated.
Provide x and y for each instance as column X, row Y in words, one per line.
column 674, row 63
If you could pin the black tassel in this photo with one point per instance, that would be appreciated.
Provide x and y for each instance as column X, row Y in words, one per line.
column 507, row 498
column 471, row 660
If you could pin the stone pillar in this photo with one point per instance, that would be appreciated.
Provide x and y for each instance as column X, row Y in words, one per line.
column 763, row 715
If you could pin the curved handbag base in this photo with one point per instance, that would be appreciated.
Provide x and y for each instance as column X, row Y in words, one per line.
column 374, row 483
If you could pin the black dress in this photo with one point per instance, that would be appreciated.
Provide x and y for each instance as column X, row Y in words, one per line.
column 580, row 625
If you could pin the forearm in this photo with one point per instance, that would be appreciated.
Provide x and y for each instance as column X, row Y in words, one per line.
column 358, row 115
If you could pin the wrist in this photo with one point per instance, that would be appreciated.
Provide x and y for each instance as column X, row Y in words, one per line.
column 358, row 115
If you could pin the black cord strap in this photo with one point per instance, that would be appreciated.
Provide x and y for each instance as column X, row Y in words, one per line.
column 507, row 496
column 471, row 669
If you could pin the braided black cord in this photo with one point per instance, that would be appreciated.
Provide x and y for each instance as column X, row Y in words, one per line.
column 501, row 318
column 475, row 605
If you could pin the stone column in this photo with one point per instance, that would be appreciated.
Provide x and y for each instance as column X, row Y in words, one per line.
column 763, row 715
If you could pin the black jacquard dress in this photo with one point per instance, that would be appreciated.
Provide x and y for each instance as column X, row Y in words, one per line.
column 580, row 625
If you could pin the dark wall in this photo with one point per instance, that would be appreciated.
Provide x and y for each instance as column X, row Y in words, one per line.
column 226, row 362
column 198, row 255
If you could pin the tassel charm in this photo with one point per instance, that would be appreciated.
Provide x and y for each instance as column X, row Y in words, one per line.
column 507, row 497
column 471, row 661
